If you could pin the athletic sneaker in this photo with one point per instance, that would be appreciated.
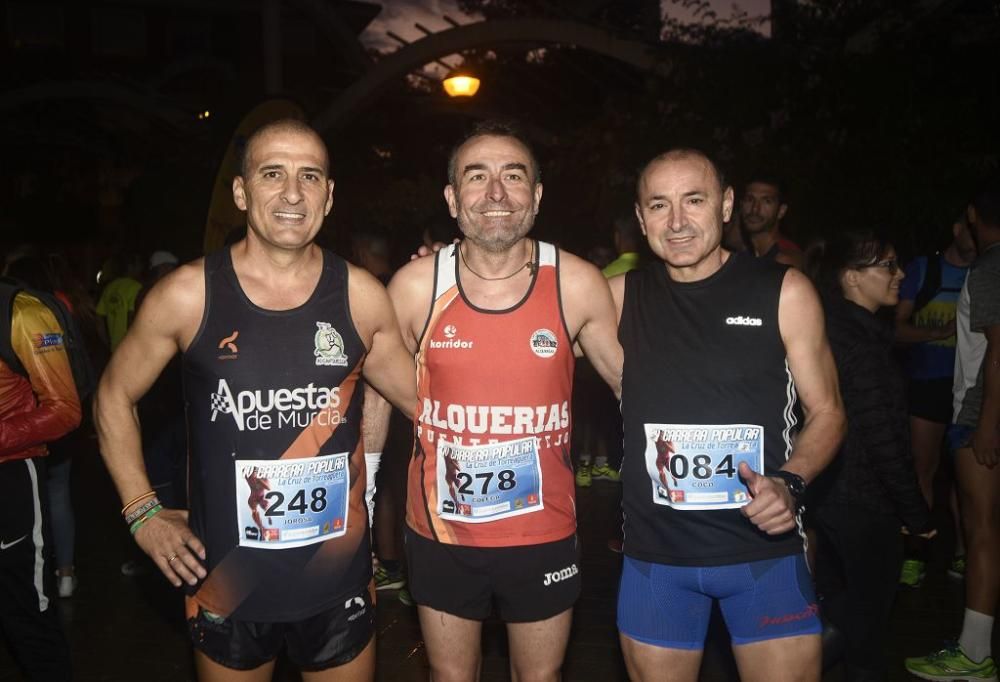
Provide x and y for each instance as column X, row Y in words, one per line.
column 951, row 663
column 913, row 573
column 404, row 597
column 956, row 569
column 66, row 584
column 384, row 580
column 583, row 476
column 605, row 473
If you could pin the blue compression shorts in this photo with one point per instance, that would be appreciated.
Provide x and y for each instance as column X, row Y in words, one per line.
column 669, row 606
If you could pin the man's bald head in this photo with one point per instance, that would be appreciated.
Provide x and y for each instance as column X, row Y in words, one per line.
column 284, row 125
column 679, row 154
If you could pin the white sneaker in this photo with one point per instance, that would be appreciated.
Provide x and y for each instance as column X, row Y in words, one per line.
column 66, row 585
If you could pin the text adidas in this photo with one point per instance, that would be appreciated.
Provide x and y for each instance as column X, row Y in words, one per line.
column 744, row 321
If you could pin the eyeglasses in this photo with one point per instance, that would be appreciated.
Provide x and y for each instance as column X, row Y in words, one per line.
column 890, row 264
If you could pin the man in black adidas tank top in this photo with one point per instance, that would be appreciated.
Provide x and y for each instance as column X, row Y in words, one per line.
column 717, row 348
column 275, row 334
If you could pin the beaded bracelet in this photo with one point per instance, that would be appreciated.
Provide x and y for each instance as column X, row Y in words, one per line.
column 138, row 523
column 141, row 509
column 136, row 499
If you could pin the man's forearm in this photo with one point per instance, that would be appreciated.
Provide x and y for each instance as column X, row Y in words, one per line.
column 118, row 435
column 375, row 426
column 817, row 443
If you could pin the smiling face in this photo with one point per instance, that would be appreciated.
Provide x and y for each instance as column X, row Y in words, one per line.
column 494, row 196
column 681, row 208
column 286, row 191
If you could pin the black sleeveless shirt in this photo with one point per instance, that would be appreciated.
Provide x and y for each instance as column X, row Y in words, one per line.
column 705, row 386
column 276, row 461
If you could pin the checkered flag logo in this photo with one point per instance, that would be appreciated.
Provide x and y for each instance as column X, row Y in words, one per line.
column 221, row 403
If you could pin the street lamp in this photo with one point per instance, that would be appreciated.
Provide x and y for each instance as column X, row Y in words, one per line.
column 459, row 84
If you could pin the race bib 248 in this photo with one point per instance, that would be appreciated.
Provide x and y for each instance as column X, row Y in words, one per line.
column 291, row 503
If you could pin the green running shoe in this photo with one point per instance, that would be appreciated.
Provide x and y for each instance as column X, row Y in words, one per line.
column 951, row 665
column 956, row 569
column 605, row 473
column 583, row 478
column 384, row 580
column 913, row 573
column 405, row 598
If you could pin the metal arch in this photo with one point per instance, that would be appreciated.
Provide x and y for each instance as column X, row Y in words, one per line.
column 481, row 34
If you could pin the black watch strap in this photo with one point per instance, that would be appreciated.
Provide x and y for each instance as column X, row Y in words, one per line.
column 796, row 485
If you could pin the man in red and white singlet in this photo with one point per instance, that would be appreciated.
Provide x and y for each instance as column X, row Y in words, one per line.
column 492, row 322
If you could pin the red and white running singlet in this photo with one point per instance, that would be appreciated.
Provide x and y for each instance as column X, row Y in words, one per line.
column 491, row 461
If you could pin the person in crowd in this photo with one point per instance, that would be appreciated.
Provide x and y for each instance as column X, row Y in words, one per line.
column 716, row 347
column 762, row 209
column 974, row 437
column 870, row 492
column 925, row 324
column 37, row 407
column 371, row 251
column 276, row 334
column 492, row 321
column 116, row 304
column 42, row 272
column 602, row 428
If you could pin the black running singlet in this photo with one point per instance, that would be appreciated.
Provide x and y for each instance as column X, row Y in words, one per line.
column 705, row 386
column 277, row 465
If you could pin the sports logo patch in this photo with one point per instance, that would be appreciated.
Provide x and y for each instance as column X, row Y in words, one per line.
column 48, row 340
column 544, row 343
column 329, row 344
column 229, row 343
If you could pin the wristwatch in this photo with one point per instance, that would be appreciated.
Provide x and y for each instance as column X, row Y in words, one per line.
column 795, row 483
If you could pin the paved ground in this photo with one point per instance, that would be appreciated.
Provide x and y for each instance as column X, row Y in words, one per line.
column 128, row 629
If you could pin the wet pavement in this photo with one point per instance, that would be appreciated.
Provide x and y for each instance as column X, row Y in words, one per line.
column 124, row 629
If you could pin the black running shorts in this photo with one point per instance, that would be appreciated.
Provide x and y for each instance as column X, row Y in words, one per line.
column 931, row 400
column 523, row 584
column 326, row 640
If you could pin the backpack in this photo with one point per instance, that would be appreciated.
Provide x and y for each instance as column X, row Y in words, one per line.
column 84, row 375
column 931, row 285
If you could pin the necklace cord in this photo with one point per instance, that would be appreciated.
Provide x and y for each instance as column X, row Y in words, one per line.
column 529, row 265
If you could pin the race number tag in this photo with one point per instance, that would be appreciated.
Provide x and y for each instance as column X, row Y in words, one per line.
column 292, row 502
column 697, row 466
column 481, row 483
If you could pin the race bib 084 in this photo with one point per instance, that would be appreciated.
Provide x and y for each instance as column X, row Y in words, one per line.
column 291, row 503
column 697, row 466
column 488, row 482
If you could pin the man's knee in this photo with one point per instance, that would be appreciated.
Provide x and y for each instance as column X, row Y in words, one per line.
column 454, row 670
column 547, row 672
column 783, row 659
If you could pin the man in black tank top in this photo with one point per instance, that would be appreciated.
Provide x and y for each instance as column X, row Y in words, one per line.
column 275, row 334
column 717, row 348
